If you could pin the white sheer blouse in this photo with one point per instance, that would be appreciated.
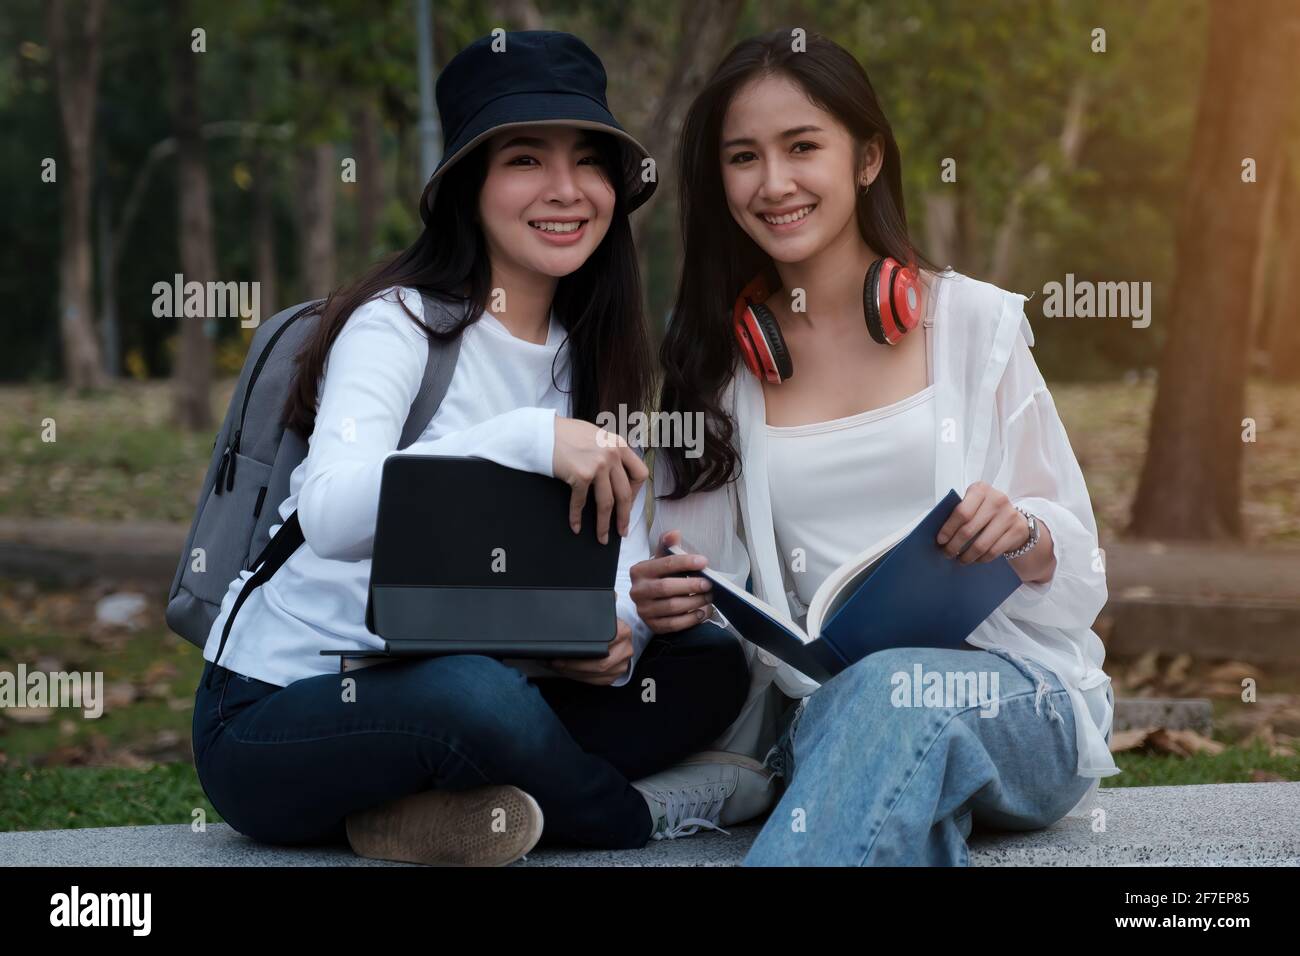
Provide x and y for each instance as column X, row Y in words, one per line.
column 995, row 422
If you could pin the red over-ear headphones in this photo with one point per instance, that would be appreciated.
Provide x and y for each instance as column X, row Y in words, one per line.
column 891, row 305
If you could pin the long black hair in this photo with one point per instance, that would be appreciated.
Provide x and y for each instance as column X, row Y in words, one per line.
column 699, row 353
column 599, row 304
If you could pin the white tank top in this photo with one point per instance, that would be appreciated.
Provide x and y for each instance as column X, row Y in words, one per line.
column 839, row 485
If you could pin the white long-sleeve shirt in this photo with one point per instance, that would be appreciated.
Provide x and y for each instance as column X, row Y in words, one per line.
column 996, row 423
column 501, row 405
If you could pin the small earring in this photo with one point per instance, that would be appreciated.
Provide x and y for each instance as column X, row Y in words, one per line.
column 865, row 186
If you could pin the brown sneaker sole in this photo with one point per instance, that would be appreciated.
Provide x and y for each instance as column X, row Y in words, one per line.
column 485, row 826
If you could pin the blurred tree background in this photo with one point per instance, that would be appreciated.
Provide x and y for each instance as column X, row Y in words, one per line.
column 1067, row 160
column 1069, row 127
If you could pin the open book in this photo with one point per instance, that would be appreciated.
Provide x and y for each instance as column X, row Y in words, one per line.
column 902, row 591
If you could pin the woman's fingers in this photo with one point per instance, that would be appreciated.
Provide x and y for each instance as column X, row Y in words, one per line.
column 672, row 604
column 650, row 589
column 623, row 497
column 984, row 541
column 600, row 670
column 672, row 607
column 1008, row 542
column 636, row 469
column 669, row 625
column 961, row 516
column 668, row 540
column 968, row 531
column 593, row 460
column 577, row 501
column 615, row 662
column 665, row 599
column 604, row 505
column 665, row 567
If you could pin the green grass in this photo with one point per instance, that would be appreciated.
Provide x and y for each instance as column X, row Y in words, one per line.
column 1234, row 765
column 164, row 707
column 115, row 455
column 63, row 798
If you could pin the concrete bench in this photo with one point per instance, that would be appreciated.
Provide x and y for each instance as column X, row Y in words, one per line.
column 1238, row 824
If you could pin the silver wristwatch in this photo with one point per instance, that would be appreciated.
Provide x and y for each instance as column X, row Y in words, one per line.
column 1033, row 535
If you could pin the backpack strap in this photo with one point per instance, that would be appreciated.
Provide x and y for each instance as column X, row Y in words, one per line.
column 284, row 543
column 438, row 370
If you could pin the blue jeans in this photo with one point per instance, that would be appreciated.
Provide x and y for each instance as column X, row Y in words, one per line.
column 877, row 774
column 286, row 765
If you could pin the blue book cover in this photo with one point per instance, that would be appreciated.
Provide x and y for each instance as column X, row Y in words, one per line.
column 901, row 592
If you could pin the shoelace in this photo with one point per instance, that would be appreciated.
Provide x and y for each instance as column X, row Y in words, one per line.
column 681, row 803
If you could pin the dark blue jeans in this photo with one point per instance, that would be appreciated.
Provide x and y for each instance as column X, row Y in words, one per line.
column 287, row 765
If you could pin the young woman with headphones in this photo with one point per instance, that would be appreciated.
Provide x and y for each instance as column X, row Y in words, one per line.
column 466, row 759
column 846, row 386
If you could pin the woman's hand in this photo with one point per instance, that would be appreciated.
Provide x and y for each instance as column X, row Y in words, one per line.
column 987, row 518
column 587, row 457
column 601, row 670
column 667, row 603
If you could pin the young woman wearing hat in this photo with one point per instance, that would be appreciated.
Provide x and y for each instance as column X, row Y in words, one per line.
column 462, row 759
column 846, row 390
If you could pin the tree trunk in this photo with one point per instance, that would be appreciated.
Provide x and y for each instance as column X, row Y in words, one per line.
column 517, row 14
column 192, row 376
column 1283, row 326
column 317, row 174
column 705, row 32
column 109, row 333
column 76, row 65
column 264, row 271
column 1191, row 480
column 1007, row 241
column 370, row 179
column 1262, row 278
column 942, row 233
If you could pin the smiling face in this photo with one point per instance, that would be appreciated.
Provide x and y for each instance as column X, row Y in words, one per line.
column 791, row 170
column 546, row 203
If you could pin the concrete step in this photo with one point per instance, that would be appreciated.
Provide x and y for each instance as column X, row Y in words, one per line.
column 1237, row 824
column 1254, row 630
column 1208, row 599
column 68, row 553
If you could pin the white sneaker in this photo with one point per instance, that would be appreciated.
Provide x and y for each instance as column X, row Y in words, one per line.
column 711, row 789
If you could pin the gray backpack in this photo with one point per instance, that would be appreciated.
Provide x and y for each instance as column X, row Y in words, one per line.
column 253, row 456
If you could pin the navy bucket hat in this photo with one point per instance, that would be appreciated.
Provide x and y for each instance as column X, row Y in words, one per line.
column 537, row 77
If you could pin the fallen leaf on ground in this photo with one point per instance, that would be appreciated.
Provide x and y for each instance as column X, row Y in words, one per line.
column 29, row 715
column 1144, row 670
column 1179, row 743
column 1122, row 740
column 1178, row 668
column 1184, row 743
column 1234, row 672
column 159, row 671
column 119, row 694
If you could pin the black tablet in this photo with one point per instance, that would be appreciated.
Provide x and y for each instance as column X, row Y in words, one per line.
column 472, row 557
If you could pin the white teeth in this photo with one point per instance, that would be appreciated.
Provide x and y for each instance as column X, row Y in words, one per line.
column 790, row 217
column 548, row 226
